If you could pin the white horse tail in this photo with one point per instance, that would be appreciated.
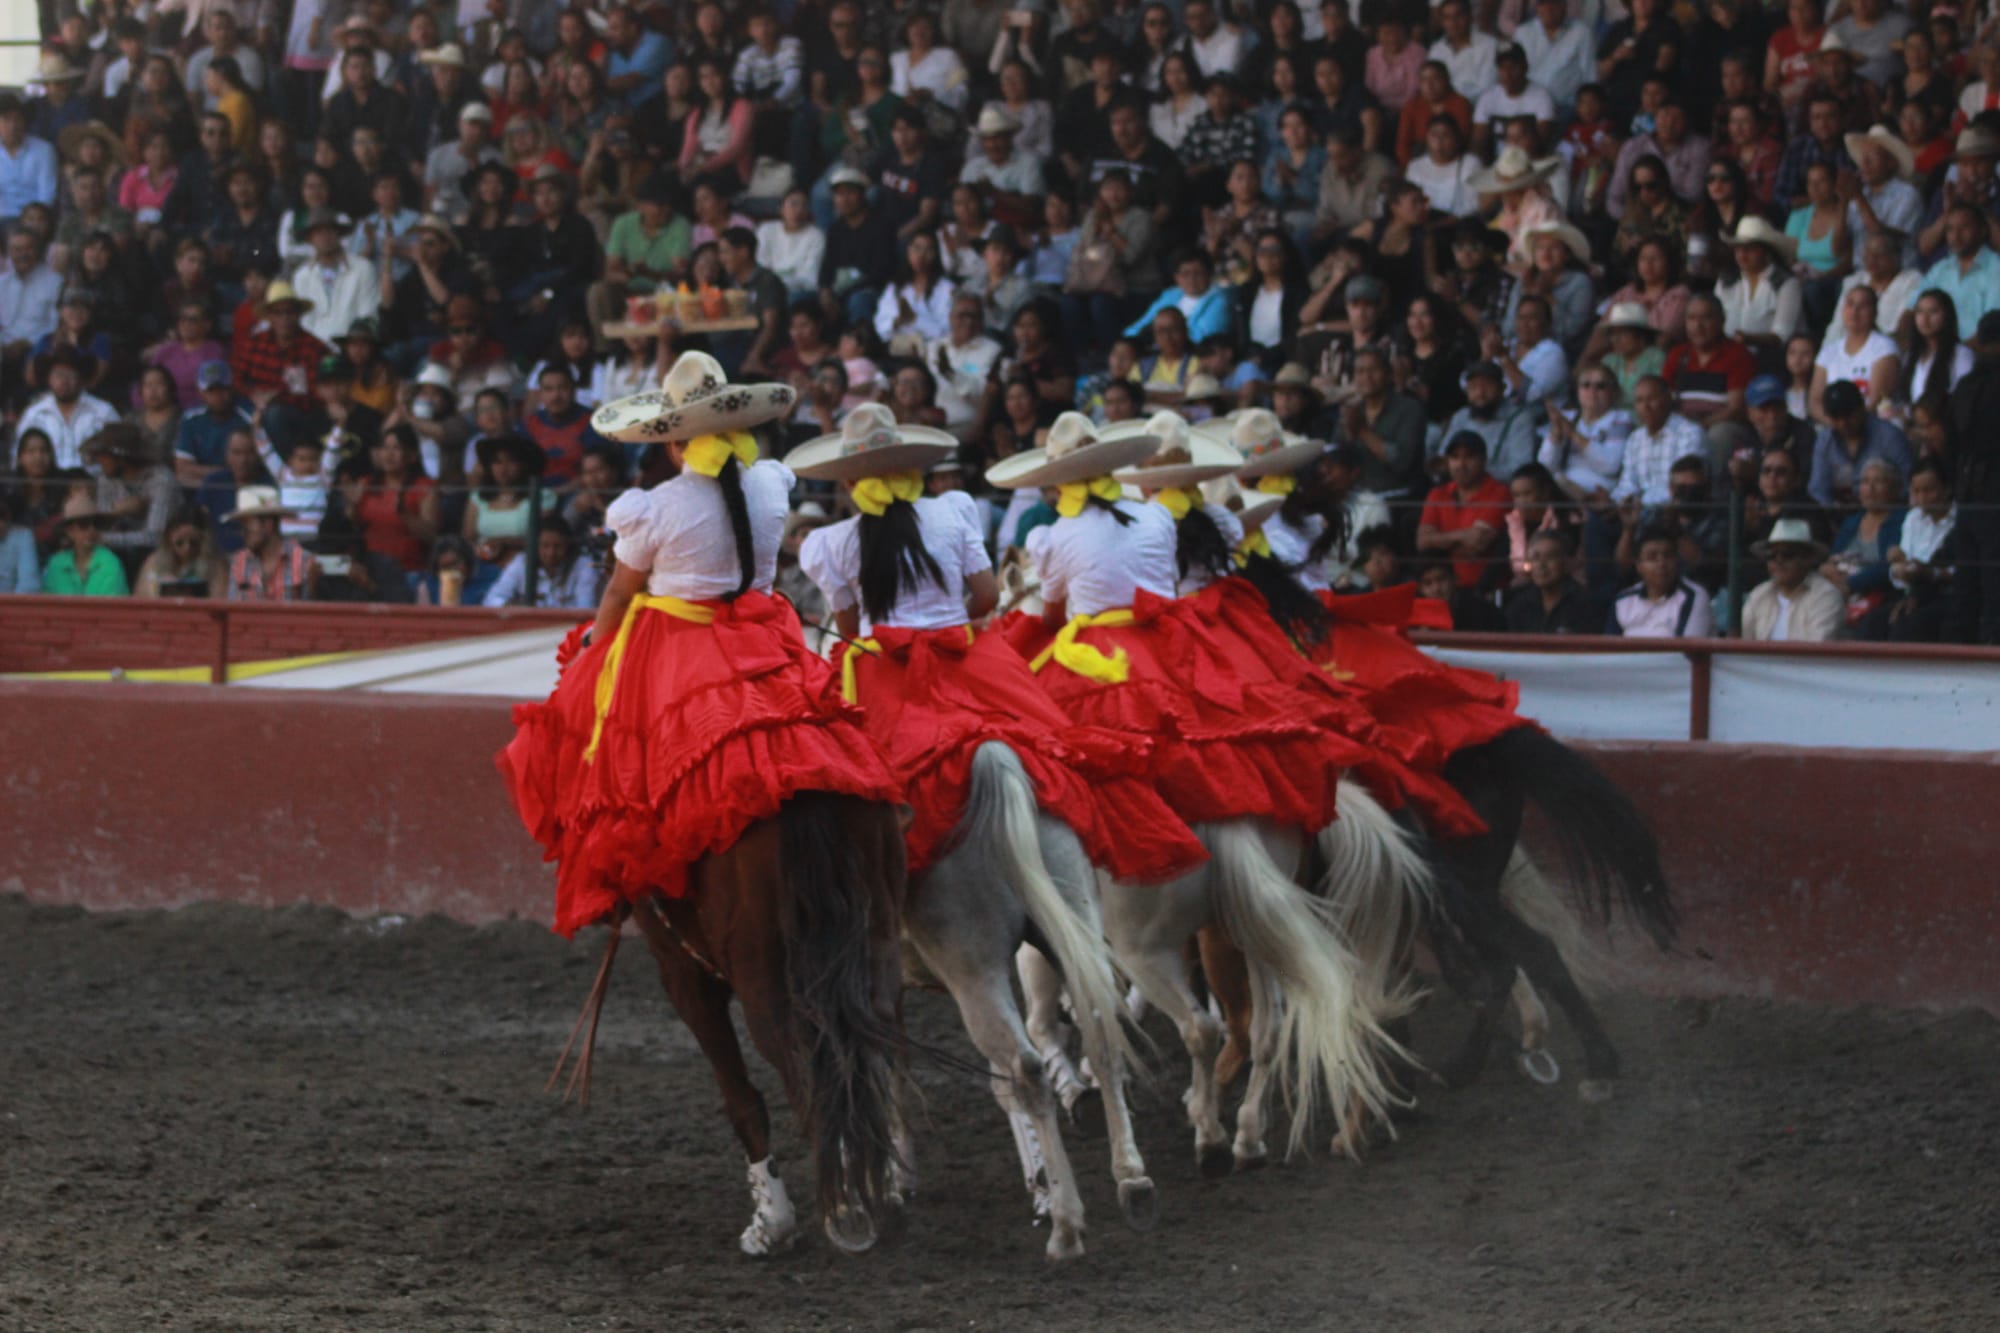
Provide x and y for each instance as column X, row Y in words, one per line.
column 1379, row 884
column 1543, row 907
column 999, row 819
column 1329, row 1041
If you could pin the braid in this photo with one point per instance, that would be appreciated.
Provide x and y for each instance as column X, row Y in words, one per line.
column 1199, row 544
column 1110, row 507
column 731, row 479
column 1334, row 512
column 894, row 559
column 1292, row 604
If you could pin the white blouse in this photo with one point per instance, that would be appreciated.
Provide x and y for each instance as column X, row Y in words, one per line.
column 1855, row 367
column 680, row 532
column 951, row 531
column 1293, row 546
column 1231, row 527
column 1094, row 565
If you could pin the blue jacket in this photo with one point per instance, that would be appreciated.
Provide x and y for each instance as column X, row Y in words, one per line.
column 20, row 563
column 1873, row 575
column 1212, row 314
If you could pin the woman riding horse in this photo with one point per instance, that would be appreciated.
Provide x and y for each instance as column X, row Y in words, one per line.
column 697, row 768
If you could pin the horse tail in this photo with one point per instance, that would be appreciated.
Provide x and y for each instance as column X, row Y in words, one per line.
column 1380, row 886
column 1329, row 1041
column 1608, row 851
column 1000, row 821
column 1540, row 906
column 839, row 905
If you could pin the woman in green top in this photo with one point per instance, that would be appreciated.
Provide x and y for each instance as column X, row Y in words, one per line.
column 83, row 568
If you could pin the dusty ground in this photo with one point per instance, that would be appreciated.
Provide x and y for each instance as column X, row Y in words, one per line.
column 221, row 1118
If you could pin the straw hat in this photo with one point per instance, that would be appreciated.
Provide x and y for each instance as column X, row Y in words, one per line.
column 1513, row 170
column 258, row 502
column 280, row 293
column 1257, row 506
column 1881, row 136
column 1753, row 230
column 1201, row 387
column 323, row 217
column 993, row 120
column 1267, row 448
column 451, row 53
column 1181, row 458
column 1572, row 239
column 1831, row 45
column 83, row 509
column 1790, row 532
column 869, row 443
column 696, row 398
column 1630, row 315
column 846, row 175
column 54, row 67
column 1976, row 141
column 114, row 147
column 1076, row 451
column 1292, row 375
column 437, row 226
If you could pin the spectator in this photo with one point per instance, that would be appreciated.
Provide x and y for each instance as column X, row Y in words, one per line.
column 563, row 578
column 1552, row 601
column 1520, row 183
column 999, row 283
column 924, row 72
column 136, row 493
column 1512, row 95
column 1855, row 354
column 205, row 429
column 1660, row 437
column 1894, row 286
column 1386, row 429
column 1464, row 518
column 1634, row 348
column 1761, row 307
column 1351, row 186
column 558, row 426
column 337, row 287
column 496, row 514
column 186, row 563
column 918, row 304
column 1772, row 423
column 1470, row 613
column 1859, row 565
column 28, row 292
column 1558, row 276
column 20, row 562
column 1934, row 360
column 764, row 301
column 1469, row 55
column 963, row 362
column 395, row 503
column 1853, row 437
column 1882, row 200
column 717, row 148
column 1009, row 178
column 1796, row 603
column 1662, row 604
column 635, row 57
column 1970, row 273
column 1684, row 155
column 27, row 164
column 1585, row 453
column 448, row 167
column 269, row 567
column 66, row 414
column 1445, row 172
column 83, row 567
column 1558, row 50
column 1506, row 424
column 274, row 367
column 1824, row 252
column 860, row 251
column 1920, row 564
column 791, row 246
column 1708, row 372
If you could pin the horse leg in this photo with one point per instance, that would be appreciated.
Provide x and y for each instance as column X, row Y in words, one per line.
column 1147, row 926
column 702, row 1001
column 1542, row 962
column 1228, row 974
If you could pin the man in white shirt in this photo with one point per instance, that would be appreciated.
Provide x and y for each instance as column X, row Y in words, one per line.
column 1467, row 54
column 1660, row 437
column 446, row 167
column 1662, row 604
column 224, row 39
column 1559, row 50
column 1217, row 47
column 961, row 361
column 1512, row 95
column 67, row 414
column 1896, row 286
column 1797, row 604
column 1010, row 180
column 29, row 289
column 342, row 287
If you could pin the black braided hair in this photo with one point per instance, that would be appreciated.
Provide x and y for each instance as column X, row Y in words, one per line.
column 1199, row 544
column 731, row 480
column 894, row 559
column 1292, row 604
column 1110, row 507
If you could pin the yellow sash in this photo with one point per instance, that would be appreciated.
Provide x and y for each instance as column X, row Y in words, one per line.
column 1082, row 658
column 1283, row 483
column 614, row 657
column 1255, row 544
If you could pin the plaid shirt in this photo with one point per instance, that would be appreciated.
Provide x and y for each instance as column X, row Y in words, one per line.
column 1800, row 154
column 248, row 581
column 1210, row 144
column 775, row 75
column 261, row 363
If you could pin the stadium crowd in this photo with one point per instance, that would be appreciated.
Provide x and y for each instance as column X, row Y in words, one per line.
column 1589, row 300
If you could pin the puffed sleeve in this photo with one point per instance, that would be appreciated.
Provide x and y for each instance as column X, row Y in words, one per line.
column 630, row 516
column 826, row 557
column 1047, row 553
column 968, row 534
column 1230, row 525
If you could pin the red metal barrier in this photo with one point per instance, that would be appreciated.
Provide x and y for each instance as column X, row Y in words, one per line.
column 1829, row 876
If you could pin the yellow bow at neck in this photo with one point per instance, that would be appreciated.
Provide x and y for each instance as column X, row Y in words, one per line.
column 1281, row 484
column 1255, row 544
column 874, row 495
column 1178, row 501
column 707, row 453
column 1071, row 496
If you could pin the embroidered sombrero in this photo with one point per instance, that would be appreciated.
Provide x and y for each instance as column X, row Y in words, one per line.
column 1182, row 457
column 1076, row 451
column 1268, row 449
column 870, row 444
column 695, row 398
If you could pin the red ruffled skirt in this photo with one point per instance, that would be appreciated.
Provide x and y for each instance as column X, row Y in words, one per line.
column 1230, row 737
column 710, row 729
column 1401, row 767
column 1451, row 708
column 931, row 698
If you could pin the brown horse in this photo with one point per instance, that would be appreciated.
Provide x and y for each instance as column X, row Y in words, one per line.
column 800, row 921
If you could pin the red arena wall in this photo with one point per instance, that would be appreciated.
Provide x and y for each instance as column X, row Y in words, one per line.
column 1829, row 876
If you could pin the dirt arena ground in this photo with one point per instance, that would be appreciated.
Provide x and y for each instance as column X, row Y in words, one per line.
column 220, row 1118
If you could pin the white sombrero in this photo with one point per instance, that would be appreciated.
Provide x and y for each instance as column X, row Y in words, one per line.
column 1890, row 142
column 258, row 502
column 1181, row 458
column 1573, row 240
column 1076, row 451
column 1268, row 449
column 1257, row 506
column 696, row 398
column 1753, row 230
column 870, row 444
column 1513, row 170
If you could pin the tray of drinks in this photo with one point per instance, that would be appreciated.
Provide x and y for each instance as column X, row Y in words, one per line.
column 626, row 328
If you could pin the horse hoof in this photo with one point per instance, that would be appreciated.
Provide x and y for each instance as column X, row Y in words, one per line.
column 1595, row 1091
column 760, row 1239
column 1216, row 1161
column 1255, row 1159
column 1139, row 1202
column 851, row 1230
column 1540, row 1066
column 1085, row 1112
column 1065, row 1242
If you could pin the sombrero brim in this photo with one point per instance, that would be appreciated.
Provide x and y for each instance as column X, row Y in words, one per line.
column 1286, row 458
column 1490, row 181
column 1258, row 506
column 1777, row 242
column 1906, row 160
column 274, row 511
column 1207, row 460
column 1034, row 467
column 823, row 459
column 1762, row 550
column 654, row 418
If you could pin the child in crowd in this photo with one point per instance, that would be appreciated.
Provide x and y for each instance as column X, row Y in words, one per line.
column 302, row 488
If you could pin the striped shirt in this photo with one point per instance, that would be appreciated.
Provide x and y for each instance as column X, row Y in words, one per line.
column 249, row 581
column 770, row 75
